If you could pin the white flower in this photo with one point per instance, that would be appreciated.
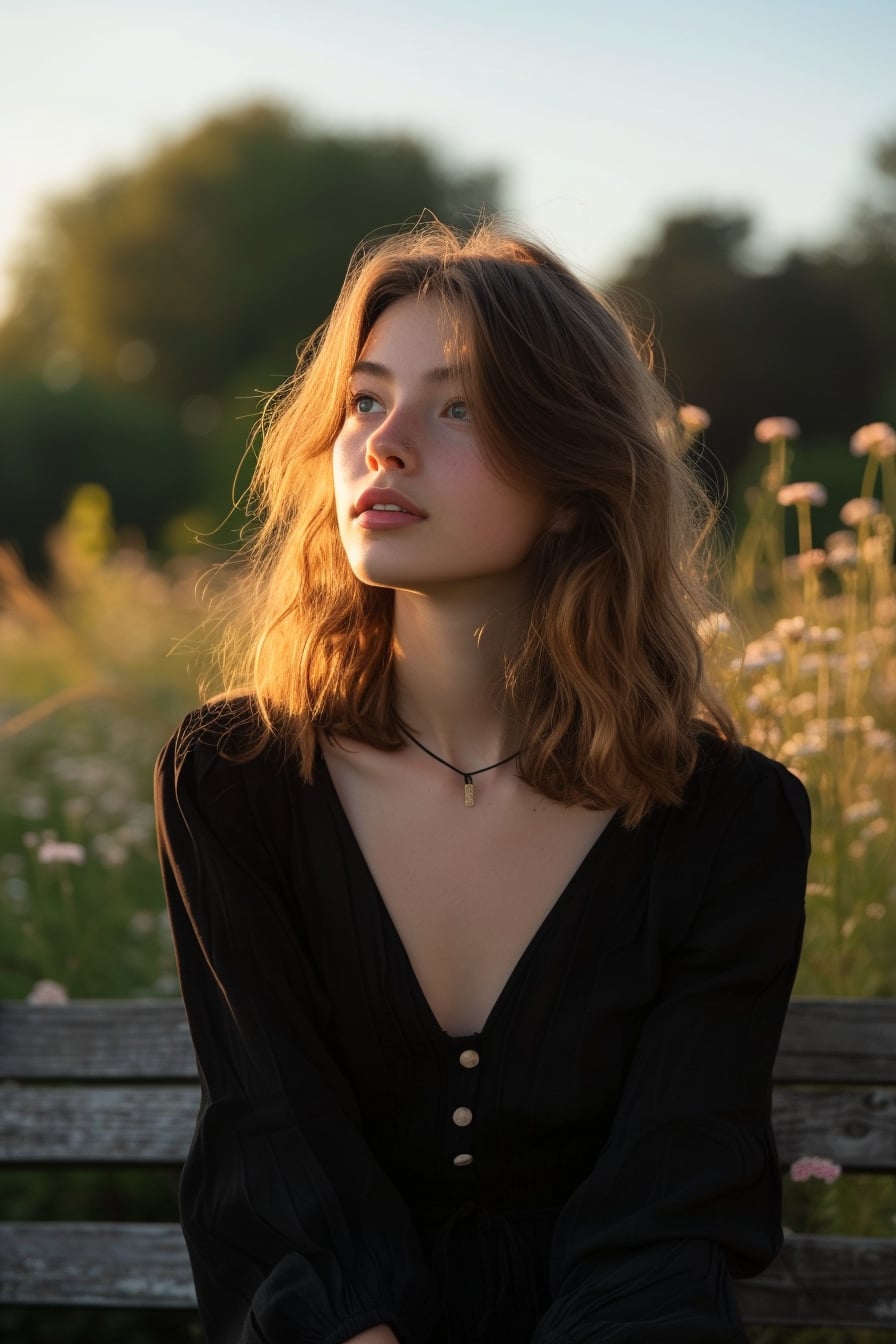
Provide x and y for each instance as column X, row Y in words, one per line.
column 60, row 851
column 862, row 811
column 878, row 439
column 792, row 628
column 858, row 510
column 803, row 492
column 762, row 653
column 842, row 557
column 47, row 991
column 693, row 418
column 776, row 427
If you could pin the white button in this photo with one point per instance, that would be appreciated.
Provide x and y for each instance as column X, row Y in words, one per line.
column 462, row 1116
column 463, row 1159
column 469, row 1059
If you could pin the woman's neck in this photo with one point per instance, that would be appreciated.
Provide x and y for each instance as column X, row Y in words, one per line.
column 450, row 659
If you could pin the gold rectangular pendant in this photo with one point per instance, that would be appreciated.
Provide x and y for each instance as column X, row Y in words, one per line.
column 468, row 794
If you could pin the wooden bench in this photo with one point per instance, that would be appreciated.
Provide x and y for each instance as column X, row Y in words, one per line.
column 94, row 1083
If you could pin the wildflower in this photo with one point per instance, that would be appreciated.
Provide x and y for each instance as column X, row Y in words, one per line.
column 842, row 557
column 803, row 492
column 878, row 440
column 863, row 811
column 694, row 419
column 792, row 628
column 802, row 704
column 47, row 991
column 822, row 1168
column 809, row 562
column 875, row 910
column 819, row 889
column 835, row 540
column 856, row 511
column 60, row 851
column 761, row 653
column 776, row 427
column 879, row 826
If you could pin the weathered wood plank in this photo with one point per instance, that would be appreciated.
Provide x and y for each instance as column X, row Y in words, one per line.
column 816, row 1280
column 96, row 1038
column 96, row 1125
column 94, row 1264
column 841, row 1281
column 838, row 1041
column 855, row 1128
column 824, row 1040
column 152, row 1124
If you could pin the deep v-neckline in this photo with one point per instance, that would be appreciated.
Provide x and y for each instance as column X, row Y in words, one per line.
column 506, row 991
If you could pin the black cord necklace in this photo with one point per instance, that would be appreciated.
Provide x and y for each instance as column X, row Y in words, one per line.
column 467, row 774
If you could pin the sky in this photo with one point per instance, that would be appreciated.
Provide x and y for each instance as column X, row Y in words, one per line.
column 603, row 115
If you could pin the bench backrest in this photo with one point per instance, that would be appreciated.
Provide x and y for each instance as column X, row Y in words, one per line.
column 105, row 1082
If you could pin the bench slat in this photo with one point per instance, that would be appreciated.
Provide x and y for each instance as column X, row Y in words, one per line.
column 824, row 1040
column 93, row 1126
column 855, row 1128
column 819, row 1280
column 96, row 1038
column 842, row 1281
column 152, row 1124
column 838, row 1041
column 94, row 1264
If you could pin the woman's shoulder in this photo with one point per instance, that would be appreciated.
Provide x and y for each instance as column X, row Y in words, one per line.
column 225, row 738
column 735, row 783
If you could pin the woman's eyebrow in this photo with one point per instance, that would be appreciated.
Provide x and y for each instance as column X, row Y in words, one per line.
column 443, row 374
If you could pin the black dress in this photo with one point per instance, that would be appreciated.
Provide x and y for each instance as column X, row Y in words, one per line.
column 594, row 1165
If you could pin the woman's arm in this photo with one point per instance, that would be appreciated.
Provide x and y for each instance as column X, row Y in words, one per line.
column 686, row 1193
column 296, row 1235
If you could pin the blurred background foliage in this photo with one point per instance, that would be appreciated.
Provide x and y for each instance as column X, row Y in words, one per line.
column 153, row 309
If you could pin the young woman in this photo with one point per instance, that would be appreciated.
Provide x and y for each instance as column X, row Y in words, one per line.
column 486, row 925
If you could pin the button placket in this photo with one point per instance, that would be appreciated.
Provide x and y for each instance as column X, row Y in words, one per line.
column 465, row 1087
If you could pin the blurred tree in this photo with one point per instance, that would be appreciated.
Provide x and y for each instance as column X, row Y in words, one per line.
column 185, row 284
column 53, row 441
column 225, row 248
column 802, row 340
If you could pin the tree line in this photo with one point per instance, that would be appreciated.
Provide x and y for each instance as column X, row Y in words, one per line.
column 153, row 309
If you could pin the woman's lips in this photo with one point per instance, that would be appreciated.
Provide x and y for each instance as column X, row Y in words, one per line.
column 386, row 518
column 378, row 509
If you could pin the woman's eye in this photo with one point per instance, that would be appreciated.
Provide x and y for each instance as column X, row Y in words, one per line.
column 364, row 403
column 458, row 411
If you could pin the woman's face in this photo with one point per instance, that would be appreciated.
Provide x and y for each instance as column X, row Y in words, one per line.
column 418, row 508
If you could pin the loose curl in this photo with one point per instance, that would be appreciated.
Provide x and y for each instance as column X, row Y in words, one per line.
column 608, row 687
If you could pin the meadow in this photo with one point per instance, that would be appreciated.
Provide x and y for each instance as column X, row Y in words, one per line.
column 100, row 663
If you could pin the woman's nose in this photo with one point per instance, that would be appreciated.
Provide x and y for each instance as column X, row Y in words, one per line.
column 390, row 446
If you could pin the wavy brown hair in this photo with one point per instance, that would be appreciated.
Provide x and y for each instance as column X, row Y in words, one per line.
column 608, row 687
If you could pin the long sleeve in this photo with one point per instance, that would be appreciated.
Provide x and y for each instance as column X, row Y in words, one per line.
column 296, row 1235
column 686, row 1192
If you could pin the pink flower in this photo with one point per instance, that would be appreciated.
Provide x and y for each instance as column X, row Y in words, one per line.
column 776, row 427
column 61, row 851
column 803, row 492
column 878, row 439
column 856, row 511
column 693, row 418
column 47, row 991
column 822, row 1168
